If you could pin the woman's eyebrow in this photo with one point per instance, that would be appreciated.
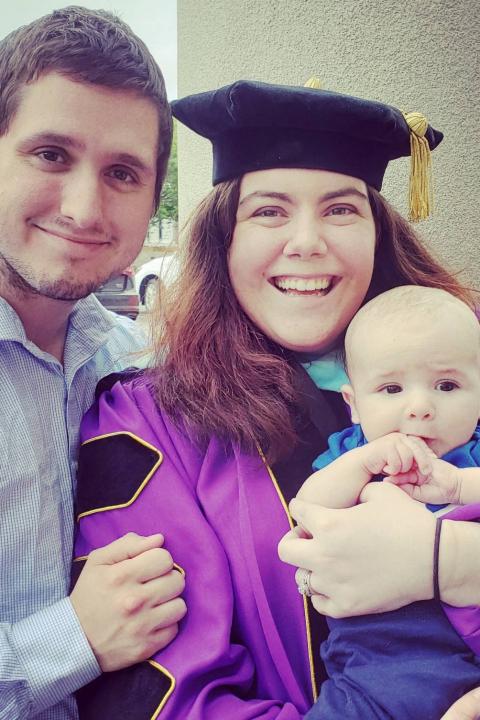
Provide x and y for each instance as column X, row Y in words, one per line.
column 341, row 192
column 266, row 194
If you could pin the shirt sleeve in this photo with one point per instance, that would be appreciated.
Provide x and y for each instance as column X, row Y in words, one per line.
column 43, row 658
column 210, row 670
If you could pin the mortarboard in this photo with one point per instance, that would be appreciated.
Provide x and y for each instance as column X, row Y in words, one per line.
column 258, row 126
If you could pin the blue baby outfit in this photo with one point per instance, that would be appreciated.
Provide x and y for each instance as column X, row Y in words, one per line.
column 408, row 664
column 339, row 443
column 352, row 437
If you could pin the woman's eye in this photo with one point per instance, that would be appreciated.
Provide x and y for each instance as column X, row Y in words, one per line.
column 340, row 210
column 446, row 386
column 391, row 389
column 267, row 212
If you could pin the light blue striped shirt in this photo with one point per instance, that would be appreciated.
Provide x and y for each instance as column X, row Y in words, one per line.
column 44, row 655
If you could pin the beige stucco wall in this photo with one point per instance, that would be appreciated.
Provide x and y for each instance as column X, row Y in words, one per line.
column 417, row 56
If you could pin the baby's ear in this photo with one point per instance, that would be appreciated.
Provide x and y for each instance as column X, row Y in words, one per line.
column 348, row 395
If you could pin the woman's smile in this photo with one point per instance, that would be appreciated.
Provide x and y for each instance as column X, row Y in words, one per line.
column 299, row 285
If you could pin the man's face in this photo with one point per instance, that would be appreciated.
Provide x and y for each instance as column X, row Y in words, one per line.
column 77, row 181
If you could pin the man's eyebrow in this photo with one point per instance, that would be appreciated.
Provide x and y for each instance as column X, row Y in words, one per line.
column 133, row 160
column 66, row 141
column 341, row 192
column 50, row 138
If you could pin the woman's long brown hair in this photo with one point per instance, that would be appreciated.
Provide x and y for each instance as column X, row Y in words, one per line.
column 216, row 372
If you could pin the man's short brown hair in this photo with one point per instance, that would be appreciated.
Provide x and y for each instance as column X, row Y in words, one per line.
column 90, row 46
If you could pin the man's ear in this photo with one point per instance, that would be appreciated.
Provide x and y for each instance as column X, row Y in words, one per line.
column 348, row 395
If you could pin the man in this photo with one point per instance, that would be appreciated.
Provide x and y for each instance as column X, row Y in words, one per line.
column 85, row 133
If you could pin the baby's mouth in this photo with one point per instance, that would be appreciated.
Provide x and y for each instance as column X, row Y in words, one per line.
column 290, row 285
column 429, row 441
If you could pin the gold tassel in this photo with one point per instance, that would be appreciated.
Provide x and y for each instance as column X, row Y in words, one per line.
column 314, row 83
column 420, row 190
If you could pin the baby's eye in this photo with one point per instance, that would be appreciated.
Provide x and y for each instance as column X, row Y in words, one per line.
column 391, row 389
column 446, row 386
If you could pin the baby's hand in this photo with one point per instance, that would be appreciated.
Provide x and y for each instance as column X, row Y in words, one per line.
column 442, row 485
column 398, row 454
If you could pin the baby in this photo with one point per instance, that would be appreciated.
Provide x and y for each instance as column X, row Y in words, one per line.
column 413, row 361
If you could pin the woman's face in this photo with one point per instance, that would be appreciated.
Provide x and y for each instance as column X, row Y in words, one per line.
column 302, row 254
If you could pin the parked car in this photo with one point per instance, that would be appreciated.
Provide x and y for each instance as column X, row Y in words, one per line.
column 119, row 294
column 161, row 269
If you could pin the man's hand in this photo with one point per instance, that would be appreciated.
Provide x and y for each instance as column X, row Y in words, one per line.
column 126, row 600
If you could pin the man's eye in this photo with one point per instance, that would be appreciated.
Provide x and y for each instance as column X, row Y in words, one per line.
column 122, row 175
column 51, row 156
column 391, row 389
column 446, row 386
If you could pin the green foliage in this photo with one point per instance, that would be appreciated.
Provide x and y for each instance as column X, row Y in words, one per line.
column 169, row 198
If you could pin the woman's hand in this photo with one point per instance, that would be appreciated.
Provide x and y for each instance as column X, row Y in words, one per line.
column 467, row 708
column 374, row 557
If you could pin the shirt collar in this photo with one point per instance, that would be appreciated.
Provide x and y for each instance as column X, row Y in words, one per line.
column 11, row 327
column 88, row 318
column 327, row 372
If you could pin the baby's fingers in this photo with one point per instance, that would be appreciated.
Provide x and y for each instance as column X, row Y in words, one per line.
column 423, row 456
column 402, row 479
column 407, row 482
column 400, row 458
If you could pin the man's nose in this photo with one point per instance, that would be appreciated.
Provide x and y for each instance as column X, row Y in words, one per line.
column 82, row 200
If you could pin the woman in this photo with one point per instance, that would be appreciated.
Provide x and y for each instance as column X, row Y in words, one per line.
column 210, row 446
column 467, row 708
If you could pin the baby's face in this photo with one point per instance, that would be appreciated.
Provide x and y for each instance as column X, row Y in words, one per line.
column 422, row 380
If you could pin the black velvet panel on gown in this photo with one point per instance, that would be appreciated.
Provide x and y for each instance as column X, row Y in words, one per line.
column 323, row 412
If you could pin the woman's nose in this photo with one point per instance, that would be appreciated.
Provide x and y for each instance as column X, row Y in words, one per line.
column 305, row 238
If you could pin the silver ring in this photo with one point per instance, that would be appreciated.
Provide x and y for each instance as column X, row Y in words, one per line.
column 302, row 577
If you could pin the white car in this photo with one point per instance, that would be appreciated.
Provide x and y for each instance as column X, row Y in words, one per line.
column 163, row 269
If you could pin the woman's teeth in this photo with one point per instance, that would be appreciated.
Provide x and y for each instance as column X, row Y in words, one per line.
column 318, row 285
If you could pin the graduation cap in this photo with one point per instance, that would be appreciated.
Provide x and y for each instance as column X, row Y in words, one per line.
column 258, row 126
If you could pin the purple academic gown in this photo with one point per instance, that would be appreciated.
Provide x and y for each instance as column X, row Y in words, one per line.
column 243, row 650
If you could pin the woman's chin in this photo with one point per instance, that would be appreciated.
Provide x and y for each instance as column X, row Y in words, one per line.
column 304, row 344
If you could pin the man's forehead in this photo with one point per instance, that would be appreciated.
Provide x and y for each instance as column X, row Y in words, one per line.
column 84, row 114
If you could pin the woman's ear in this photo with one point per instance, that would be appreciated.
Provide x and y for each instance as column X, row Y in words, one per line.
column 348, row 395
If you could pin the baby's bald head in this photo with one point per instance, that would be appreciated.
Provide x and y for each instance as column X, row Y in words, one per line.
column 402, row 313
